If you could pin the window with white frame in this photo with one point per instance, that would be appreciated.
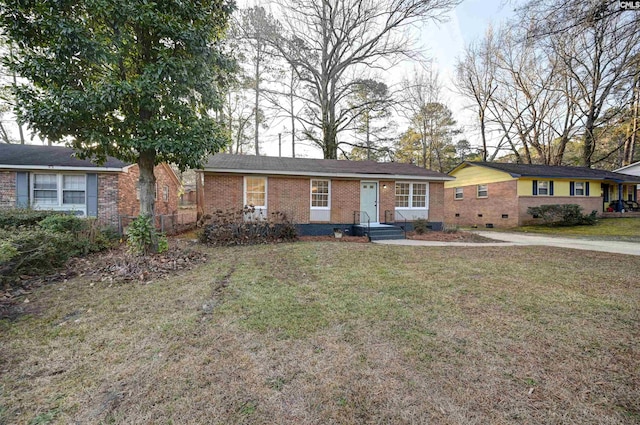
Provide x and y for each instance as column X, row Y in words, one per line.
column 320, row 193
column 165, row 193
column 579, row 188
column 543, row 187
column 256, row 191
column 402, row 195
column 458, row 193
column 411, row 195
column 58, row 190
column 483, row 191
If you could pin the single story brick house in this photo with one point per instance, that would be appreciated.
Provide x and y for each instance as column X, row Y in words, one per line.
column 52, row 178
column 489, row 194
column 323, row 194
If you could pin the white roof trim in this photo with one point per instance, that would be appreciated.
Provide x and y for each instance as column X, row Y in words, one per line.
column 635, row 164
column 58, row 168
column 328, row 174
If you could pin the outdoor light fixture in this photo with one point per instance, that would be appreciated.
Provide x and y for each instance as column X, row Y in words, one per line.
column 384, row 186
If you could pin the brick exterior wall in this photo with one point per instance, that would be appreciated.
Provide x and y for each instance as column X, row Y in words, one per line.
column 345, row 199
column 108, row 199
column 127, row 184
column 436, row 201
column 387, row 201
column 291, row 196
column 221, row 192
column 588, row 204
column 7, row 189
column 502, row 199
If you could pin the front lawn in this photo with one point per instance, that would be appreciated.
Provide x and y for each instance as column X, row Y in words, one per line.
column 321, row 332
column 624, row 229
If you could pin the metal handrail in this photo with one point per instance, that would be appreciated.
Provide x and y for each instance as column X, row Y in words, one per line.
column 360, row 215
column 404, row 219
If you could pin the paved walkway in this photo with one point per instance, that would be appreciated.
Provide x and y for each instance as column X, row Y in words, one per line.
column 515, row 239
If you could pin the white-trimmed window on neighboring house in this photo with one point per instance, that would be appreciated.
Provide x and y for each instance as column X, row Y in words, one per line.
column 411, row 195
column 579, row 188
column 458, row 193
column 165, row 193
column 543, row 188
column 482, row 191
column 320, row 194
column 59, row 191
column 255, row 191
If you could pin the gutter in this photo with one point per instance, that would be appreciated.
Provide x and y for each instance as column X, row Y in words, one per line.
column 326, row 174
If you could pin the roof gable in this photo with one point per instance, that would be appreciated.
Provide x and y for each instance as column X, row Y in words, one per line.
column 50, row 157
column 317, row 167
column 552, row 171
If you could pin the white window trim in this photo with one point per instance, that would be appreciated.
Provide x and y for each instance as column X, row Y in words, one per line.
column 266, row 192
column 547, row 188
column 165, row 193
column 58, row 206
column 455, row 193
column 328, row 207
column 411, row 207
column 478, row 191
column 575, row 188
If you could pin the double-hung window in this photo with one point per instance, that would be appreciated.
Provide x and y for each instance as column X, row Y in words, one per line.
column 459, row 193
column 256, row 191
column 45, row 190
column 59, row 191
column 579, row 188
column 411, row 195
column 543, row 188
column 320, row 194
column 483, row 191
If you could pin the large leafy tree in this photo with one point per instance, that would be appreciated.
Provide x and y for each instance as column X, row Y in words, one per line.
column 137, row 79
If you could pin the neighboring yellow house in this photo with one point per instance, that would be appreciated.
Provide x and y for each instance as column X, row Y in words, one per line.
column 498, row 195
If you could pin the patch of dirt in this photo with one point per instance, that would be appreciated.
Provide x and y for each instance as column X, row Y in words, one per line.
column 329, row 238
column 459, row 236
column 115, row 265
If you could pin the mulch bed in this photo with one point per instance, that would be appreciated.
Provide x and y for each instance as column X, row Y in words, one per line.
column 459, row 236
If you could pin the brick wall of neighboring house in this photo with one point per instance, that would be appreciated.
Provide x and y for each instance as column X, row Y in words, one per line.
column 588, row 204
column 221, row 192
column 436, row 201
column 108, row 198
column 345, row 199
column 290, row 195
column 129, row 204
column 7, row 189
column 387, row 199
column 502, row 200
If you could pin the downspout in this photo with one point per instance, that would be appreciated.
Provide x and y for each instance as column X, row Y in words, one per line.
column 619, row 197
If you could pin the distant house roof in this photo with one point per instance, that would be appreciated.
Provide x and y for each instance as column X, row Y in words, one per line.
column 251, row 164
column 553, row 171
column 37, row 157
column 635, row 167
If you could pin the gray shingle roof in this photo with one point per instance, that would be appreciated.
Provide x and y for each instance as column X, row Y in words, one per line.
column 48, row 156
column 307, row 166
column 556, row 171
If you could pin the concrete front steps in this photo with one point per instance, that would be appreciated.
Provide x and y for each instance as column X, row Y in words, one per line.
column 380, row 232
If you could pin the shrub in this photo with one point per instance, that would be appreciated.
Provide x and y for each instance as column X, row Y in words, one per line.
column 450, row 228
column 63, row 223
column 562, row 215
column 16, row 217
column 420, row 225
column 242, row 227
column 141, row 233
column 34, row 251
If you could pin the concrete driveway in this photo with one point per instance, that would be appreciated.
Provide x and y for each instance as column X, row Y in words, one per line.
column 519, row 239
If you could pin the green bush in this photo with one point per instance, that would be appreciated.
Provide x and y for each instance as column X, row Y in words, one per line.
column 562, row 215
column 34, row 251
column 140, row 235
column 63, row 223
column 16, row 217
column 420, row 226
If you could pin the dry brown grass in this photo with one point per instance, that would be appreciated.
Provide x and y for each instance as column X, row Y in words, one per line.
column 336, row 333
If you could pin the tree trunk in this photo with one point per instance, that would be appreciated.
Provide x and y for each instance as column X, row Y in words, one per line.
column 257, row 104
column 293, row 117
column 147, row 185
column 484, row 136
column 589, row 142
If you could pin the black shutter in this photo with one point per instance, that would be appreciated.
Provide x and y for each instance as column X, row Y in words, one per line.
column 551, row 188
column 535, row 187
column 572, row 189
column 586, row 189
